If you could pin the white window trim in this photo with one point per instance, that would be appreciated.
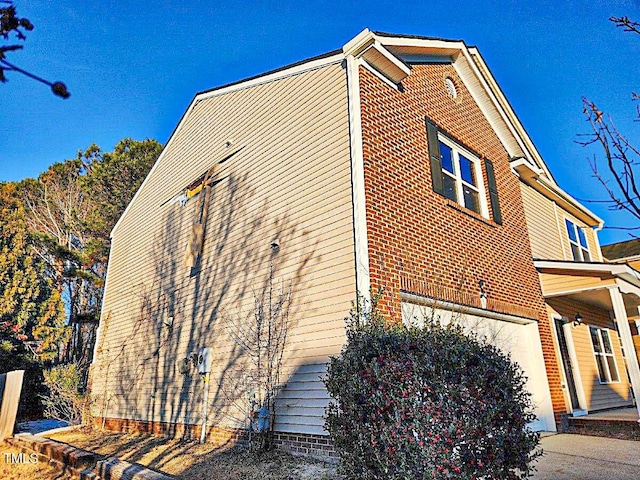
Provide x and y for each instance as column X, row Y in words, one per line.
column 576, row 229
column 604, row 354
column 456, row 149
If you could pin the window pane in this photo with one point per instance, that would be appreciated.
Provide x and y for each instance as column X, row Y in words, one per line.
column 613, row 370
column 447, row 158
column 595, row 340
column 471, row 200
column 582, row 238
column 571, row 231
column 575, row 250
column 585, row 255
column 606, row 341
column 467, row 171
column 601, row 368
column 450, row 188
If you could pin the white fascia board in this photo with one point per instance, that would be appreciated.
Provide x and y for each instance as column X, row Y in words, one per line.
column 622, row 271
column 279, row 75
column 401, row 70
column 534, row 177
column 305, row 67
column 358, row 43
column 554, row 188
column 487, row 90
column 509, row 111
column 387, row 64
column 451, row 45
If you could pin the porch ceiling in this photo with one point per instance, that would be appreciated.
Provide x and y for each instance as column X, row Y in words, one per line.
column 601, row 299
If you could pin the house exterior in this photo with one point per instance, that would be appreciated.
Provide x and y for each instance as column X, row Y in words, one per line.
column 592, row 303
column 394, row 163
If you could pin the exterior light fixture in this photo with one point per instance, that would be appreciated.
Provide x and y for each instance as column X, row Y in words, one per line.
column 483, row 294
column 577, row 320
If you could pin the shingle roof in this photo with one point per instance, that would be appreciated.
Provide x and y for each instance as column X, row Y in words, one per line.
column 616, row 251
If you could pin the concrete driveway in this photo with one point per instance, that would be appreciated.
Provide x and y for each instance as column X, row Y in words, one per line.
column 579, row 457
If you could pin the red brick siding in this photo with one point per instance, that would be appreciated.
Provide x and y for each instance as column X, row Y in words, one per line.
column 297, row 443
column 412, row 231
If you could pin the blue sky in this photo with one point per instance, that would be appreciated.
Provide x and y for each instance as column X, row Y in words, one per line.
column 133, row 67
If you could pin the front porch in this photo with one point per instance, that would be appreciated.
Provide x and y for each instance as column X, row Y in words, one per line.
column 616, row 423
column 593, row 308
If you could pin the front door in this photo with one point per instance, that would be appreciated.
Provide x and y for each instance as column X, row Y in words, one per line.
column 566, row 363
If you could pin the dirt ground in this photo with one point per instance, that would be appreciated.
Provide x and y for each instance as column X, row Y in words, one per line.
column 190, row 460
column 14, row 466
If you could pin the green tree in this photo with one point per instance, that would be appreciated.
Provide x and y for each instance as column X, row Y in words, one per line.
column 13, row 26
column 72, row 208
column 31, row 309
column 113, row 178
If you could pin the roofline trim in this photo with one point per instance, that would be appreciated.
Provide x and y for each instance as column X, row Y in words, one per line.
column 295, row 69
column 621, row 271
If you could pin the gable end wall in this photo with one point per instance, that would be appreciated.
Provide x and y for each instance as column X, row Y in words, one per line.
column 414, row 232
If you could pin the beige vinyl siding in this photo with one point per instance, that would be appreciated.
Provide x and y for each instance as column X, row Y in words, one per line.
column 598, row 395
column 553, row 284
column 289, row 180
column 547, row 229
column 542, row 225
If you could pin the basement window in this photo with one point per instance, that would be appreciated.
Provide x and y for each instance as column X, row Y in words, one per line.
column 603, row 353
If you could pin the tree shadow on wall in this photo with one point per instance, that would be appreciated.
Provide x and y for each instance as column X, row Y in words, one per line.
column 177, row 310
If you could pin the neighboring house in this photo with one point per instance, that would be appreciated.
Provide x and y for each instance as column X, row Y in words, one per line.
column 393, row 163
column 591, row 303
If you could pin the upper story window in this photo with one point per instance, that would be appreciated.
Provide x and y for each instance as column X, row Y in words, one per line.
column 460, row 174
column 456, row 173
column 578, row 242
column 603, row 352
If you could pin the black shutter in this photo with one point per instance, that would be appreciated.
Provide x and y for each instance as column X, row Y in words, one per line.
column 434, row 156
column 493, row 192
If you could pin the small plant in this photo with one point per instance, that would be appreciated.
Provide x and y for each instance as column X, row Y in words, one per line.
column 262, row 338
column 428, row 402
column 65, row 400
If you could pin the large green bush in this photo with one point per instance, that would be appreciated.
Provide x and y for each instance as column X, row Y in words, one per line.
column 427, row 402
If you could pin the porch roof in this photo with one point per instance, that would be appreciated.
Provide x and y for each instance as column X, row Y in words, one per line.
column 588, row 283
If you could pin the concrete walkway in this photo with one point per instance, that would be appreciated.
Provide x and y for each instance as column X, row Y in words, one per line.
column 579, row 457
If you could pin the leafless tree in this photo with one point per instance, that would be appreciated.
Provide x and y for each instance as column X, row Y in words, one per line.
column 621, row 158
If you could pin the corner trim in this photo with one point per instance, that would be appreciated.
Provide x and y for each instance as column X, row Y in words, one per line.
column 361, row 244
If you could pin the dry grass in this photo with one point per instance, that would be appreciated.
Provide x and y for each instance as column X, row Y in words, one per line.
column 10, row 470
column 190, row 460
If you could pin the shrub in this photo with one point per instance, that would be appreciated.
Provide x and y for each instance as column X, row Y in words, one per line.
column 65, row 400
column 428, row 402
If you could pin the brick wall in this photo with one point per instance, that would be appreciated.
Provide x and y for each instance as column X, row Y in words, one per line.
column 414, row 232
column 296, row 443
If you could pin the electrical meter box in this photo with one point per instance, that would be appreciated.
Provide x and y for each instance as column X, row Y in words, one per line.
column 205, row 360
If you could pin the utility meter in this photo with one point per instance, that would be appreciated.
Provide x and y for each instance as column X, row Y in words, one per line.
column 205, row 359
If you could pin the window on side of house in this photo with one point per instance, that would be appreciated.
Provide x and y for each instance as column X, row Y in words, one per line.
column 460, row 174
column 603, row 353
column 578, row 242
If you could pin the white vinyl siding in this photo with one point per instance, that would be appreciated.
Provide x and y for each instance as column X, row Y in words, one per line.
column 290, row 180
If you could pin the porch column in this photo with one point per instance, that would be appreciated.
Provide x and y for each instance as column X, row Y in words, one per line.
column 627, row 342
